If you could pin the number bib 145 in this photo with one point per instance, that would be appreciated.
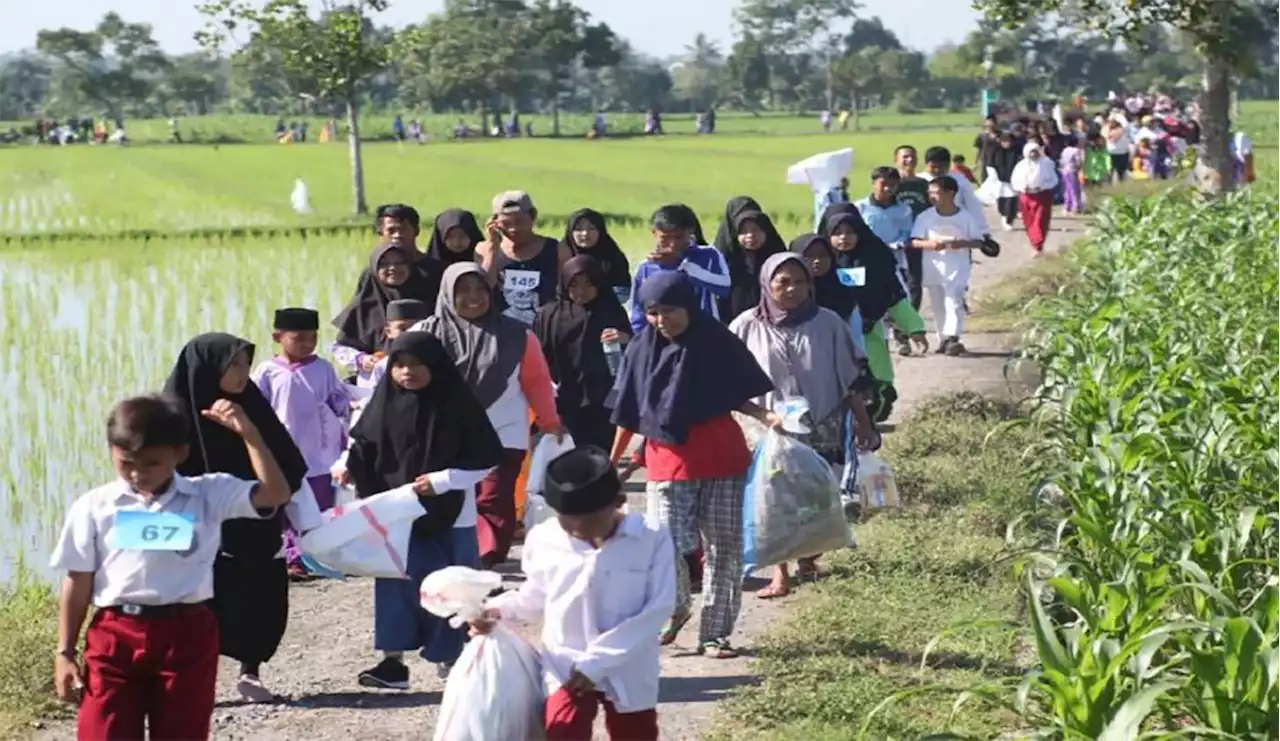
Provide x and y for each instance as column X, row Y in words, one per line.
column 139, row 530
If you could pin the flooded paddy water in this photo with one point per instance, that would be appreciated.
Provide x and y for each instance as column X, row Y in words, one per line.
column 83, row 325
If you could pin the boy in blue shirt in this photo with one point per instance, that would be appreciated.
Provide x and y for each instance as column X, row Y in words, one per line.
column 675, row 248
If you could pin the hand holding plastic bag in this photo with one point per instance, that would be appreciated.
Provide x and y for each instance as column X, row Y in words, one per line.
column 368, row 538
column 792, row 507
column 495, row 690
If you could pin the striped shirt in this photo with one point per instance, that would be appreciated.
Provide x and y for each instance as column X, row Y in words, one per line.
column 707, row 271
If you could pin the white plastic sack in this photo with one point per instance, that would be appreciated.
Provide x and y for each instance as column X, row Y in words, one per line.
column 536, row 511
column 877, row 484
column 302, row 510
column 495, row 690
column 992, row 189
column 792, row 507
column 368, row 538
column 301, row 202
column 544, row 452
column 823, row 170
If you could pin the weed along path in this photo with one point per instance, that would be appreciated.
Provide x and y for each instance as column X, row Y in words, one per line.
column 330, row 633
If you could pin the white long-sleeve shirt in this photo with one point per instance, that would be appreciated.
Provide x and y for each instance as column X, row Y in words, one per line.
column 967, row 199
column 601, row 609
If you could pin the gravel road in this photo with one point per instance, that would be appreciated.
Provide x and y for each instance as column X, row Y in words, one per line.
column 330, row 636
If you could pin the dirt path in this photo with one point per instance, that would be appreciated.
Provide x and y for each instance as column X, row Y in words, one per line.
column 330, row 636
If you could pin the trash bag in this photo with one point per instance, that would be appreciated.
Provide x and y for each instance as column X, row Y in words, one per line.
column 792, row 507
column 299, row 198
column 367, row 538
column 495, row 690
column 544, row 452
column 877, row 484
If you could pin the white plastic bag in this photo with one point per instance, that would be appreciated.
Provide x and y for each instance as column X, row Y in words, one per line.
column 495, row 690
column 302, row 510
column 301, row 202
column 536, row 511
column 544, row 452
column 792, row 506
column 877, row 484
column 368, row 538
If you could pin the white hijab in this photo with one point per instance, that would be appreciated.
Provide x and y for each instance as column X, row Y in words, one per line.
column 1033, row 175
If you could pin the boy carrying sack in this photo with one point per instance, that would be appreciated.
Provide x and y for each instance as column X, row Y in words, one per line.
column 603, row 584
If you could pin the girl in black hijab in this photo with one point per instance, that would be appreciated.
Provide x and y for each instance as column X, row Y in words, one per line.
column 454, row 237
column 572, row 331
column 588, row 234
column 746, row 238
column 250, row 581
column 422, row 426
column 865, row 263
column 393, row 274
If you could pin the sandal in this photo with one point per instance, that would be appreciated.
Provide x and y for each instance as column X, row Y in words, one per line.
column 717, row 648
column 806, row 571
column 673, row 628
column 773, row 591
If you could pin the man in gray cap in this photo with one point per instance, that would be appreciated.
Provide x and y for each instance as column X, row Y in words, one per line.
column 524, row 265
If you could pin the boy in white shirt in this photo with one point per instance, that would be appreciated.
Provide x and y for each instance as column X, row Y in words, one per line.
column 604, row 584
column 947, row 234
column 141, row 550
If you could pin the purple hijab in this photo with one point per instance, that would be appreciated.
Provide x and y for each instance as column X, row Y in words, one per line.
column 665, row 386
column 770, row 310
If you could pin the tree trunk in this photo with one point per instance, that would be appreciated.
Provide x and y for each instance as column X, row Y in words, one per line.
column 1214, row 169
column 831, row 85
column 853, row 108
column 555, row 115
column 353, row 148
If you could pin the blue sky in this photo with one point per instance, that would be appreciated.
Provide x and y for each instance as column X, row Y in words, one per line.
column 659, row 27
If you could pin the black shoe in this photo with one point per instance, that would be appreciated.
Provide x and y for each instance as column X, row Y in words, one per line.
column 390, row 674
column 954, row 347
column 904, row 348
column 941, row 349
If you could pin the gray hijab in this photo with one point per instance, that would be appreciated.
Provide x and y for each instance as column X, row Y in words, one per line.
column 486, row 350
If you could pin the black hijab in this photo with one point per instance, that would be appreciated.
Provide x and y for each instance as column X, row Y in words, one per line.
column 404, row 434
column 195, row 380
column 666, row 386
column 744, row 265
column 1003, row 160
column 828, row 291
column 882, row 288
column 454, row 218
column 606, row 252
column 570, row 335
column 360, row 324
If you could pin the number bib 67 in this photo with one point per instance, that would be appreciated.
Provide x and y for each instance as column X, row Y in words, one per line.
column 139, row 530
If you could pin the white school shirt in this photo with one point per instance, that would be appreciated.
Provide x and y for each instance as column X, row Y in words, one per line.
column 946, row 267
column 135, row 577
column 967, row 200
column 601, row 609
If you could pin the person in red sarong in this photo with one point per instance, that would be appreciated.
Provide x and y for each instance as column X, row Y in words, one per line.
column 1034, row 178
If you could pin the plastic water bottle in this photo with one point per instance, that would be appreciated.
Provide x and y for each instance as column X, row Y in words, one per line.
column 612, row 355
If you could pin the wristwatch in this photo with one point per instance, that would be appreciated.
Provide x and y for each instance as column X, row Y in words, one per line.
column 69, row 653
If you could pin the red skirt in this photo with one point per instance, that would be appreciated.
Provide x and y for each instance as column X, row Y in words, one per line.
column 1036, row 210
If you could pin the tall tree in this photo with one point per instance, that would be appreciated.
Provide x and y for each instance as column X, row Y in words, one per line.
column 698, row 73
column 562, row 39
column 332, row 54
column 747, row 72
column 111, row 64
column 1229, row 34
column 25, row 83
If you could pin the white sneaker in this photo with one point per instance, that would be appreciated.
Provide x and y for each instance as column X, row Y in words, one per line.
column 1007, row 226
column 253, row 690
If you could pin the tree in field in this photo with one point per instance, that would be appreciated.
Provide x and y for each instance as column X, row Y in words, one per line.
column 330, row 55
column 1228, row 34
column 697, row 77
column 746, row 73
column 111, row 64
column 25, row 85
column 474, row 52
column 563, row 40
column 789, row 29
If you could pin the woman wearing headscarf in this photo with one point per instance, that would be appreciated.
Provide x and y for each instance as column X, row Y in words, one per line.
column 423, row 427
column 808, row 353
column 1035, row 178
column 746, row 238
column 588, row 234
column 503, row 364
column 865, row 263
column 250, row 579
column 454, row 237
column 1004, row 158
column 682, row 378
column 573, row 332
column 393, row 274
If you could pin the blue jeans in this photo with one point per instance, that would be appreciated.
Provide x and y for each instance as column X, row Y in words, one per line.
column 399, row 622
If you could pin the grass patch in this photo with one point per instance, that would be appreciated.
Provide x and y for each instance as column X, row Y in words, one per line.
column 28, row 638
column 1003, row 307
column 858, row 637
